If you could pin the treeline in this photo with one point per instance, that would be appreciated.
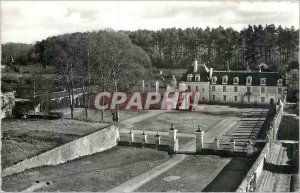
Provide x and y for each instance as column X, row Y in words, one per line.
column 106, row 58
column 222, row 48
column 22, row 54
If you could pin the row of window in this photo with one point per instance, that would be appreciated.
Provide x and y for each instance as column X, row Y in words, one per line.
column 262, row 99
column 235, row 80
column 248, row 80
column 197, row 88
column 213, row 88
column 262, row 89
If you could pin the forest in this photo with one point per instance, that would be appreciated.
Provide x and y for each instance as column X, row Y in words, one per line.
column 221, row 48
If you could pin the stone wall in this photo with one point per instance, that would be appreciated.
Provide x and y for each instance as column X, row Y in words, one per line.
column 257, row 168
column 255, row 171
column 92, row 143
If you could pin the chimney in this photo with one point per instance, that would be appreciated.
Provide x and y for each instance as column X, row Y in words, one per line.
column 195, row 65
column 210, row 73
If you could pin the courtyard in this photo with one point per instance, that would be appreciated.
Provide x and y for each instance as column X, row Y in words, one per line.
column 128, row 168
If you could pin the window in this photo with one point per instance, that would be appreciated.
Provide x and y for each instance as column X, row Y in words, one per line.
column 197, row 88
column 279, row 82
column 214, row 97
column 224, row 97
column 203, row 89
column 189, row 77
column 262, row 90
column 224, row 88
column 235, row 98
column 214, row 80
column 263, row 99
column 224, row 80
column 213, row 88
column 263, row 81
column 235, row 89
column 249, row 80
column 197, row 77
column 203, row 98
column 189, row 88
column 279, row 90
column 236, row 80
column 248, row 89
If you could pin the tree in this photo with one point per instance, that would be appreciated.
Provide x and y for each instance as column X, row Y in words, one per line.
column 68, row 55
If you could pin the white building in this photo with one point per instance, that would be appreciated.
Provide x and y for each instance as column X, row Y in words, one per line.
column 233, row 86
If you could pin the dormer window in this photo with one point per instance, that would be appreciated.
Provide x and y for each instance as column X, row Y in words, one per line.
column 249, row 80
column 236, row 80
column 189, row 77
column 214, row 80
column 279, row 82
column 263, row 81
column 197, row 77
column 224, row 80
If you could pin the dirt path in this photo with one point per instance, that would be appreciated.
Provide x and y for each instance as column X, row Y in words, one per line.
column 134, row 183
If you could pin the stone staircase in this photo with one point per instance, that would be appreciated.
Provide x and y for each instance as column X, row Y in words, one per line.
column 274, row 180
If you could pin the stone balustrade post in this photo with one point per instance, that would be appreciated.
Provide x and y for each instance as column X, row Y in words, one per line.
column 131, row 137
column 117, row 134
column 157, row 137
column 172, row 139
column 232, row 145
column 145, row 139
column 199, row 139
column 250, row 149
column 217, row 143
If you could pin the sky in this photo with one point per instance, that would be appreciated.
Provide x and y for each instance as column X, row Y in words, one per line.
column 28, row 22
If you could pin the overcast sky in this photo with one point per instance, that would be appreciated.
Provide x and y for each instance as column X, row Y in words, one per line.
column 28, row 22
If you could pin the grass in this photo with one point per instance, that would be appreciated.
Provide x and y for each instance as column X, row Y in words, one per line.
column 95, row 115
column 98, row 172
column 186, row 122
column 231, row 176
column 24, row 138
column 191, row 175
column 289, row 128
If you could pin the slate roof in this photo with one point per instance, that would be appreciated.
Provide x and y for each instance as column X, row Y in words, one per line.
column 204, row 75
column 271, row 77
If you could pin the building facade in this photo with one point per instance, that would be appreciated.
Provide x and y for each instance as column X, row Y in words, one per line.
column 249, row 87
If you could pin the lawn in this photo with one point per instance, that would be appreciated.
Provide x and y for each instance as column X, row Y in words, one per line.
column 98, row 172
column 185, row 122
column 23, row 138
column 191, row 175
column 235, row 170
column 95, row 115
column 289, row 128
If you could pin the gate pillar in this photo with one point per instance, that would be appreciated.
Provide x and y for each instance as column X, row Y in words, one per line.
column 199, row 139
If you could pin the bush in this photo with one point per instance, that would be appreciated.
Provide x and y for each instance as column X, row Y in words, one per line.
column 5, row 87
column 54, row 115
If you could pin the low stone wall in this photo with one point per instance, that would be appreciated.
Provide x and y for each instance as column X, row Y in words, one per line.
column 92, row 143
column 255, row 171
column 276, row 121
